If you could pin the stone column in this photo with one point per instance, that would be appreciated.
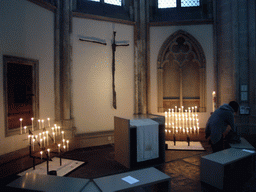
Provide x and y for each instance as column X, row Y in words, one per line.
column 235, row 33
column 141, row 65
column 225, row 56
column 252, row 58
column 242, row 55
column 63, row 63
column 160, row 88
column 57, row 60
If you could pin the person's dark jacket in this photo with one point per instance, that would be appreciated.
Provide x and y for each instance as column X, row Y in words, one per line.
column 218, row 122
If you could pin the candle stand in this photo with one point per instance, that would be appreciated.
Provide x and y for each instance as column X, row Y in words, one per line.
column 47, row 145
column 182, row 124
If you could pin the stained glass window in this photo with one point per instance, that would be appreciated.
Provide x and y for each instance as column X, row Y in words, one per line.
column 167, row 3
column 190, row 3
column 113, row 2
column 173, row 3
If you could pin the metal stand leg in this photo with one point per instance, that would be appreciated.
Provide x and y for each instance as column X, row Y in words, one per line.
column 34, row 163
column 60, row 158
column 47, row 163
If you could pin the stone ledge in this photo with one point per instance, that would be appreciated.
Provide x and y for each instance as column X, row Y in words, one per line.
column 94, row 139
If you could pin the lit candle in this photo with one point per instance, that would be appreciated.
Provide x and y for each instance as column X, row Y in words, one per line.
column 33, row 145
column 44, row 140
column 47, row 137
column 63, row 140
column 28, row 138
column 183, row 120
column 172, row 118
column 39, row 125
column 48, row 122
column 59, row 148
column 166, row 121
column 180, row 122
column 42, row 123
column 193, row 120
column 32, row 119
column 21, row 125
column 213, row 101
column 179, row 117
column 40, row 135
column 64, row 147
column 25, row 129
column 48, row 150
column 41, row 152
column 67, row 145
column 62, row 134
column 189, row 118
column 41, row 143
column 59, row 129
column 53, row 133
column 169, row 119
column 56, row 129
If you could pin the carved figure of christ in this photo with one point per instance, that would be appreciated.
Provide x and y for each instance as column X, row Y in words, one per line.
column 114, row 45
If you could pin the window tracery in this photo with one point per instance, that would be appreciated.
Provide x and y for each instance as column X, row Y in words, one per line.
column 177, row 3
column 181, row 73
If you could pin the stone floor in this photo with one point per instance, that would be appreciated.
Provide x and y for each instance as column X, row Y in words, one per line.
column 182, row 166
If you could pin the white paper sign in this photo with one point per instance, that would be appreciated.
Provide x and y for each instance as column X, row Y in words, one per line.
column 130, row 180
column 249, row 151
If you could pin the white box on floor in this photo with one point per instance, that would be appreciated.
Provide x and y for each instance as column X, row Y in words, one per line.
column 220, row 168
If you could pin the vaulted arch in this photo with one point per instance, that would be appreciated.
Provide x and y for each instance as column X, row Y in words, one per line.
column 181, row 73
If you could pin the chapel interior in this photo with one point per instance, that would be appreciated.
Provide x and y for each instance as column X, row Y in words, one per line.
column 78, row 76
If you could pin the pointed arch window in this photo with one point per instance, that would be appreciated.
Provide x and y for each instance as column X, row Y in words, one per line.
column 181, row 73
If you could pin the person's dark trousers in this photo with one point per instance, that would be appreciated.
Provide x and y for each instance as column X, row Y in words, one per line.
column 219, row 146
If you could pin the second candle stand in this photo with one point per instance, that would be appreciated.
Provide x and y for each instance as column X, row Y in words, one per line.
column 48, row 143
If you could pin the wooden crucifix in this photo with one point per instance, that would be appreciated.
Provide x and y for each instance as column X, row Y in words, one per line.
column 114, row 45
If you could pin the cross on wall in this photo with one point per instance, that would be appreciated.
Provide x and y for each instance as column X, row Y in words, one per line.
column 114, row 45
